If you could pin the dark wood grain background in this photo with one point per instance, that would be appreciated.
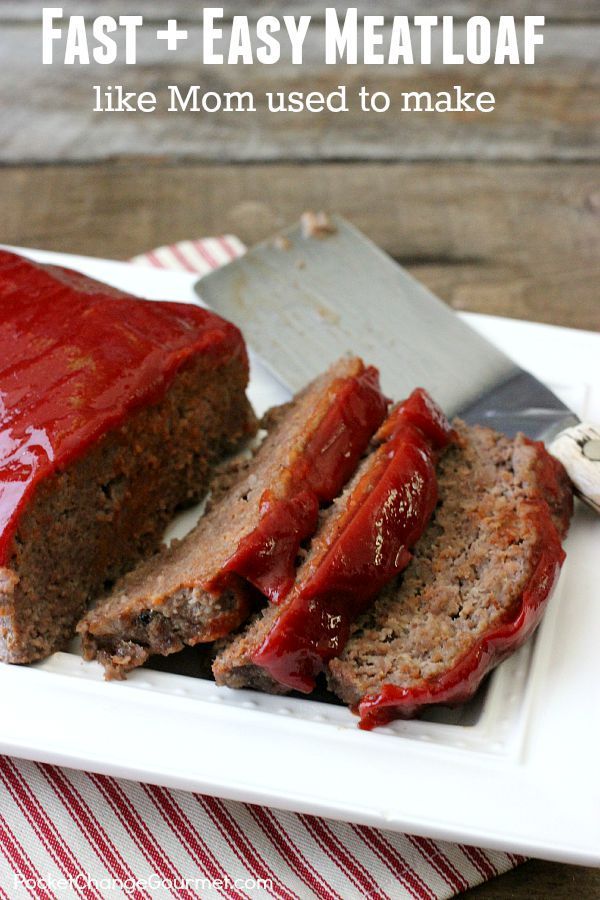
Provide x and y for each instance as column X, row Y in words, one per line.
column 498, row 213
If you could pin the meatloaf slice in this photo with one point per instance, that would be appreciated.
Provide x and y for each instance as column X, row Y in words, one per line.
column 364, row 542
column 476, row 587
column 113, row 411
column 199, row 589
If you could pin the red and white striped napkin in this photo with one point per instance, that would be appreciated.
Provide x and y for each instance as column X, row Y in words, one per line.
column 65, row 833
column 200, row 257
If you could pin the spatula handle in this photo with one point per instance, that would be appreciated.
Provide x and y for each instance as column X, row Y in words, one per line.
column 578, row 449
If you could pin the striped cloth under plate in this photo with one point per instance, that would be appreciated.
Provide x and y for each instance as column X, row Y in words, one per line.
column 65, row 833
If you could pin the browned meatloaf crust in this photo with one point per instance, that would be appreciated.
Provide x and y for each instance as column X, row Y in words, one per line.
column 468, row 571
column 95, row 519
column 164, row 604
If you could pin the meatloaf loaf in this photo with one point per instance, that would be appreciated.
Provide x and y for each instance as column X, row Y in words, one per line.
column 476, row 587
column 201, row 588
column 113, row 411
column 364, row 541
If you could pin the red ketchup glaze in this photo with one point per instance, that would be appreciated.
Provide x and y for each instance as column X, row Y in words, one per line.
column 343, row 436
column 550, row 477
column 461, row 681
column 267, row 556
column 385, row 516
column 76, row 358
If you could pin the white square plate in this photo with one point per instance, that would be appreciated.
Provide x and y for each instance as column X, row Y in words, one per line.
column 516, row 769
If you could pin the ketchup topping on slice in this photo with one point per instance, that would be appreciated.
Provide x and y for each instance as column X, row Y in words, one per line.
column 267, row 556
column 458, row 683
column 385, row 516
column 76, row 358
column 343, row 435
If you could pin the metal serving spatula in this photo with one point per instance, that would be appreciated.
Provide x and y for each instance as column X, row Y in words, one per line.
column 304, row 301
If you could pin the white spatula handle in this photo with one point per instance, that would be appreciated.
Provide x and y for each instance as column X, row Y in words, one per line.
column 578, row 449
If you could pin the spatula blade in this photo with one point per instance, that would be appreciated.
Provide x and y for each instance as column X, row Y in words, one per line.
column 304, row 301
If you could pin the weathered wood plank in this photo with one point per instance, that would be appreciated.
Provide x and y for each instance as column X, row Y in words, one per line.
column 189, row 10
column 518, row 240
column 546, row 111
column 537, row 878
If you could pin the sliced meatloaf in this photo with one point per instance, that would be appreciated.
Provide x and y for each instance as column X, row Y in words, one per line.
column 200, row 588
column 364, row 541
column 476, row 587
column 113, row 411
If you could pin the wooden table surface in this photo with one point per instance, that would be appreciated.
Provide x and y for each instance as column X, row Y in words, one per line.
column 496, row 213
